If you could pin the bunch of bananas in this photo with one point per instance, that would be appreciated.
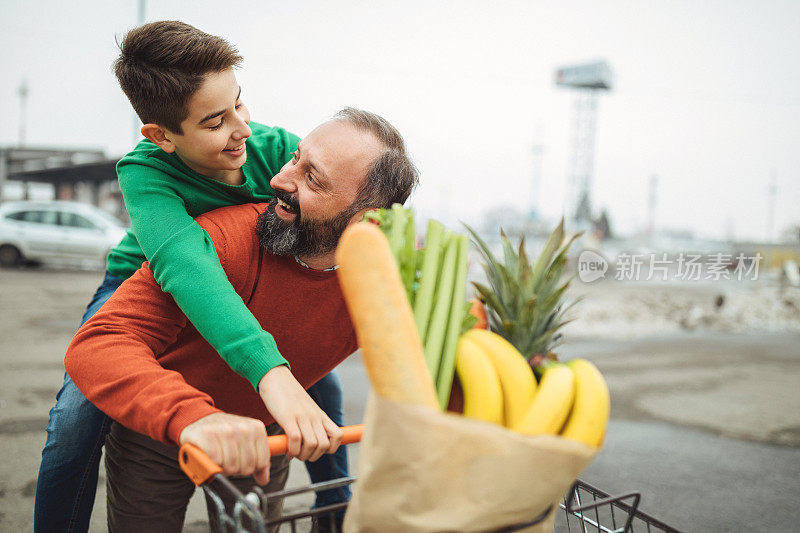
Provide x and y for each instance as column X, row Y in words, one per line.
column 571, row 399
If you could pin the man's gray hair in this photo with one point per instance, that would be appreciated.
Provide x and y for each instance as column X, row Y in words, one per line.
column 393, row 176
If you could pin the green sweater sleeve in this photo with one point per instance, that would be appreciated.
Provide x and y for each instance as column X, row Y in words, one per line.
column 185, row 265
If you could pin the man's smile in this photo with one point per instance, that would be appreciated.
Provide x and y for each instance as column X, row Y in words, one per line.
column 285, row 210
column 286, row 206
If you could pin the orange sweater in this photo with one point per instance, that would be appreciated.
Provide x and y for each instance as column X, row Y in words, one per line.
column 142, row 362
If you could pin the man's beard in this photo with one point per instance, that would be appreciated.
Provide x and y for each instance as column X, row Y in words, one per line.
column 300, row 237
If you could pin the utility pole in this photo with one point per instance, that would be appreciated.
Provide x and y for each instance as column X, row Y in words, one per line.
column 22, row 92
column 136, row 123
column 772, row 193
column 652, row 202
column 537, row 151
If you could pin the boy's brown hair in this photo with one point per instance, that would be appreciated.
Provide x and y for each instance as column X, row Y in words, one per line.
column 161, row 64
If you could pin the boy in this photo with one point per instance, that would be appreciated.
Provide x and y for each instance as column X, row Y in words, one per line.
column 201, row 153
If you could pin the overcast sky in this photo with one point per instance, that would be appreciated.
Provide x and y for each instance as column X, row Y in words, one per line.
column 706, row 96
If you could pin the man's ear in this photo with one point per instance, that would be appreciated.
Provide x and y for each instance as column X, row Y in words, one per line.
column 358, row 217
column 158, row 135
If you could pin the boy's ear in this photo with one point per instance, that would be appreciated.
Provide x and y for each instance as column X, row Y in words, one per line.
column 158, row 135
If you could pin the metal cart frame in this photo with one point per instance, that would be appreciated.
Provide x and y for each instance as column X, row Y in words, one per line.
column 585, row 508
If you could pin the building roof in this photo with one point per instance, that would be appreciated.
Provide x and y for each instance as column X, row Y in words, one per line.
column 98, row 171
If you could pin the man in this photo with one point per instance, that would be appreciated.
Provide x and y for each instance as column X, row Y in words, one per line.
column 142, row 362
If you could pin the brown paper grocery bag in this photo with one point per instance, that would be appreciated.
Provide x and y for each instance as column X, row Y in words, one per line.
column 421, row 470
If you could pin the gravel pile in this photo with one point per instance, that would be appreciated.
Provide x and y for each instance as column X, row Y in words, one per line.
column 632, row 310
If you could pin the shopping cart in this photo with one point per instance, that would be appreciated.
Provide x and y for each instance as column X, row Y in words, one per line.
column 584, row 509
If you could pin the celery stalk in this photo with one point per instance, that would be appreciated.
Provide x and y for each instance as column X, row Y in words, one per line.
column 444, row 379
column 397, row 224
column 408, row 257
column 432, row 256
column 437, row 327
column 397, row 217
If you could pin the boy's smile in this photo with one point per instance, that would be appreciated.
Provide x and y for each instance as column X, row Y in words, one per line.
column 214, row 132
column 236, row 151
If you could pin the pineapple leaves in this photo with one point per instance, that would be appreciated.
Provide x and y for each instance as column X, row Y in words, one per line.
column 525, row 295
column 553, row 243
column 524, row 267
column 491, row 300
column 469, row 319
column 509, row 256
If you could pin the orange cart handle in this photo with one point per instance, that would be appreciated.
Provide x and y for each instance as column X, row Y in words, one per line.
column 200, row 468
column 279, row 443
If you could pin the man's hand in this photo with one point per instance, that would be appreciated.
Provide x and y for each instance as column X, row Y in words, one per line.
column 309, row 431
column 236, row 443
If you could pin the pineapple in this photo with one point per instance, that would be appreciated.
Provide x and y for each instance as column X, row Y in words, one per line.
column 524, row 301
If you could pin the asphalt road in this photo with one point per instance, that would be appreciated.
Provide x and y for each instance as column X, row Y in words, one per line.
column 705, row 426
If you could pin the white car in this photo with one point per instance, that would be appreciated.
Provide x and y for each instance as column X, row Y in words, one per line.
column 57, row 230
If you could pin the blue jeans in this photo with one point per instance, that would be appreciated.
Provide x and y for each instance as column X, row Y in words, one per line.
column 327, row 392
column 67, row 482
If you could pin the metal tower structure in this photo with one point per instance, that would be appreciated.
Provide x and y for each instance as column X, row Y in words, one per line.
column 587, row 80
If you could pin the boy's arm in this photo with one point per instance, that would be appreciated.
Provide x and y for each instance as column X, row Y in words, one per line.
column 112, row 359
column 186, row 265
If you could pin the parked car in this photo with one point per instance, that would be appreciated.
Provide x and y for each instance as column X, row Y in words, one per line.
column 57, row 230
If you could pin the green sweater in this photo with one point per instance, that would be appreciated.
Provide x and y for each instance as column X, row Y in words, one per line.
column 163, row 196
